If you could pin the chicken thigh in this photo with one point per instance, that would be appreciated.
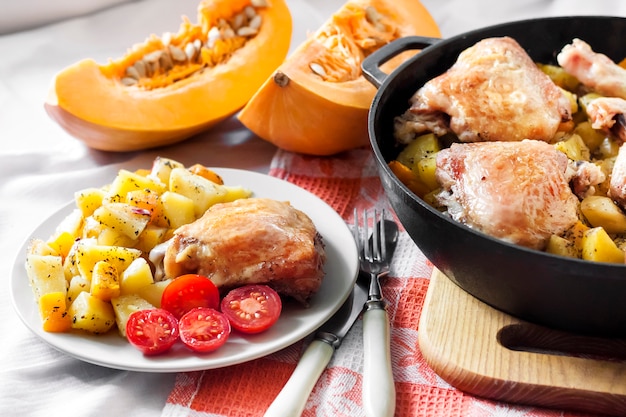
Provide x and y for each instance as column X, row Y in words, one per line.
column 251, row 241
column 596, row 71
column 494, row 92
column 514, row 191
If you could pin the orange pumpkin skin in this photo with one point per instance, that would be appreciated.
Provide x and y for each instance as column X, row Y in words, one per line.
column 90, row 103
column 297, row 110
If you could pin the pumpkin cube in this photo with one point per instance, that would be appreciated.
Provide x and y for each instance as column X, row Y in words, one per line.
column 53, row 311
column 124, row 306
column 136, row 276
column 148, row 200
column 105, row 283
column 62, row 242
column 91, row 314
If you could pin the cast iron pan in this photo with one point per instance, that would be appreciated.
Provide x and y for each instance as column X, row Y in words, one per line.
column 566, row 294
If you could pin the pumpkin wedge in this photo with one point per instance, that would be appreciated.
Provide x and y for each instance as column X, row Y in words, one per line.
column 171, row 87
column 317, row 101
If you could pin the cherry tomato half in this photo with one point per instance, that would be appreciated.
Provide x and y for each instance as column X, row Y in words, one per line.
column 204, row 329
column 252, row 308
column 152, row 331
column 187, row 292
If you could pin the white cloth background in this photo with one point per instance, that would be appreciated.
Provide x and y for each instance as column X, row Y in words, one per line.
column 41, row 166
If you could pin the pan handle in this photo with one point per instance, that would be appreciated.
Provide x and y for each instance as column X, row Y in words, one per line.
column 371, row 65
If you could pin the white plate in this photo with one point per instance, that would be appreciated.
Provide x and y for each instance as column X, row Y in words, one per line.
column 295, row 323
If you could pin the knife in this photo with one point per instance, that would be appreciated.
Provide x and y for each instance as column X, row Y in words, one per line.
column 292, row 399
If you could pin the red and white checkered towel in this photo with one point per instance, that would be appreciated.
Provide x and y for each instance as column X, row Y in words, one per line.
column 344, row 182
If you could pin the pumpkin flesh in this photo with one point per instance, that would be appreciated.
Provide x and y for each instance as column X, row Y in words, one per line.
column 109, row 109
column 317, row 101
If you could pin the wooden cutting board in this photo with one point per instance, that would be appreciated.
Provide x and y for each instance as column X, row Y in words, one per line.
column 487, row 353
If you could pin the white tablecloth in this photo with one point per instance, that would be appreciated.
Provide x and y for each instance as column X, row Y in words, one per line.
column 41, row 166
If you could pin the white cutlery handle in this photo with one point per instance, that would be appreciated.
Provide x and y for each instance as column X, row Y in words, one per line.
column 292, row 399
column 379, row 391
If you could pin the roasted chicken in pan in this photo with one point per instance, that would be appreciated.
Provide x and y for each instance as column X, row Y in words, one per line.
column 494, row 92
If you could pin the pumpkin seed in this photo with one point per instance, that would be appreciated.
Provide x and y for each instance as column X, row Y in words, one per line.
column 372, row 15
column 255, row 22
column 140, row 67
column 213, row 35
column 239, row 20
column 317, row 69
column 166, row 38
column 127, row 81
column 177, row 53
column 246, row 31
column 132, row 72
column 259, row 3
column 249, row 11
column 228, row 33
column 190, row 51
column 153, row 56
column 165, row 61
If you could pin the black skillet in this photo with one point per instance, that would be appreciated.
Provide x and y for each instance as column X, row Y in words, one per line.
column 561, row 293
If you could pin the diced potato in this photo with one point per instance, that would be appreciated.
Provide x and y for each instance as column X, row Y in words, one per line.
column 77, row 285
column 53, row 311
column 202, row 192
column 88, row 255
column 575, row 148
column 608, row 148
column 124, row 306
column 420, row 148
column 162, row 168
column 72, row 223
column 601, row 211
column 124, row 218
column 592, row 137
column 45, row 274
column 561, row 246
column 426, row 168
column 91, row 314
column 150, row 237
column 599, row 247
column 89, row 199
column 105, row 282
column 575, row 235
column 153, row 292
column 573, row 100
column 126, row 181
column 70, row 266
column 586, row 99
column 136, row 276
column 177, row 209
column 39, row 247
column 560, row 77
column 235, row 193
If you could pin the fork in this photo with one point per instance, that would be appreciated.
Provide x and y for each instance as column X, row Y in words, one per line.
column 379, row 394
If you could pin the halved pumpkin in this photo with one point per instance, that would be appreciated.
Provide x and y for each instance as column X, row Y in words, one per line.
column 172, row 87
column 317, row 101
